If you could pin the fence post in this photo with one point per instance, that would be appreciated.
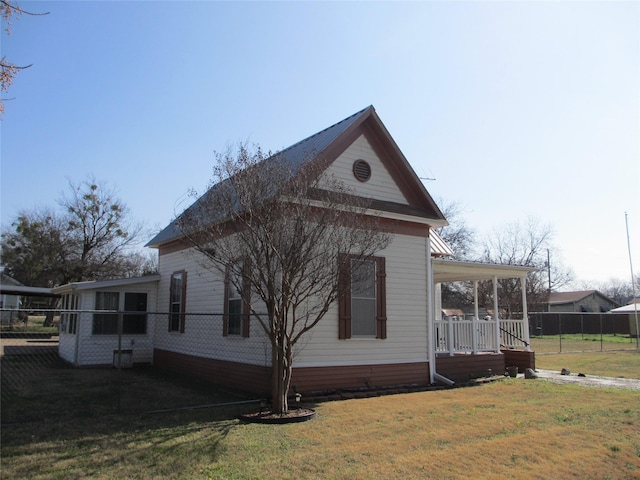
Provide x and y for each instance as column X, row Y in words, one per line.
column 119, row 381
column 560, row 330
column 601, row 339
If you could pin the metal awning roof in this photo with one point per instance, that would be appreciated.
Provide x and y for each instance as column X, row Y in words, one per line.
column 27, row 291
column 115, row 282
column 458, row 271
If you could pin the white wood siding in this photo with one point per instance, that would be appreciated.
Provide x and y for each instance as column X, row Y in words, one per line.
column 406, row 341
column 98, row 349
column 204, row 306
column 380, row 186
column 406, row 286
column 67, row 347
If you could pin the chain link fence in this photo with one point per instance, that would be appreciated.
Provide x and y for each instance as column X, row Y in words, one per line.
column 72, row 364
column 552, row 332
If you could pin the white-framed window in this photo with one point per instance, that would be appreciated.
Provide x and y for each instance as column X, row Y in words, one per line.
column 236, row 303
column 177, row 297
column 362, row 302
column 69, row 313
column 363, row 298
column 132, row 306
column 106, row 323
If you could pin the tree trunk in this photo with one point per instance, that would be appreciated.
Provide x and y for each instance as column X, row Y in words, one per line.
column 279, row 390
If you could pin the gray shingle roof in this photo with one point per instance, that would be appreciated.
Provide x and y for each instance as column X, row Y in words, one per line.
column 297, row 155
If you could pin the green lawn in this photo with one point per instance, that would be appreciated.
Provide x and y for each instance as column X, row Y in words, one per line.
column 577, row 342
column 619, row 364
column 512, row 428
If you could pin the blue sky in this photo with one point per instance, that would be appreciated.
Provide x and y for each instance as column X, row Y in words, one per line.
column 515, row 108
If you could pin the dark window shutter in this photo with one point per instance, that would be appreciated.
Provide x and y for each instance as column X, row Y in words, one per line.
column 225, row 305
column 246, row 299
column 381, row 298
column 183, row 304
column 344, row 302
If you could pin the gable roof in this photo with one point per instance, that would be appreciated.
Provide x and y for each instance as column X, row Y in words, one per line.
column 7, row 280
column 327, row 145
column 569, row 297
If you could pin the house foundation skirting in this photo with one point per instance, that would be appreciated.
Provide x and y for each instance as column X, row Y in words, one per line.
column 256, row 379
column 520, row 359
column 463, row 367
column 347, row 377
column 240, row 376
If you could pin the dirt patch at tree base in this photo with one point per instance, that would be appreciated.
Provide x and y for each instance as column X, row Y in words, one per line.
column 266, row 416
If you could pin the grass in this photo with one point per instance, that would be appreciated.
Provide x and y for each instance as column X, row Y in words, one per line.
column 513, row 428
column 34, row 324
column 576, row 342
column 619, row 364
column 510, row 429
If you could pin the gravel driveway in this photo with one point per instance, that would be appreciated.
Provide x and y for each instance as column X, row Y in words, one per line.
column 589, row 380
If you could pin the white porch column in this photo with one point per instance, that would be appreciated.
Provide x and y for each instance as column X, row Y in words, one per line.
column 525, row 313
column 495, row 312
column 476, row 310
column 474, row 321
column 450, row 342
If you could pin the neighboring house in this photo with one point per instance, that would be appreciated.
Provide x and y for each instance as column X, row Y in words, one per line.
column 580, row 301
column 408, row 343
column 93, row 327
column 633, row 310
column 8, row 301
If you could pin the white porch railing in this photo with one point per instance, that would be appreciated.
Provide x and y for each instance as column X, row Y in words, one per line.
column 473, row 336
column 514, row 334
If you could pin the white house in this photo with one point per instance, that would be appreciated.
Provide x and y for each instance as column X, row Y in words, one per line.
column 410, row 345
column 99, row 318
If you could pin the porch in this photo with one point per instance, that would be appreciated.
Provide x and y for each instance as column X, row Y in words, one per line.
column 472, row 344
column 472, row 336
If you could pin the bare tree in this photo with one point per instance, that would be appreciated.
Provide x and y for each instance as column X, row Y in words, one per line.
column 99, row 228
column 458, row 235
column 279, row 232
column 8, row 70
column 462, row 240
column 91, row 238
column 525, row 244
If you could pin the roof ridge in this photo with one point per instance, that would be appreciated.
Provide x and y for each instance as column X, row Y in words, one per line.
column 350, row 117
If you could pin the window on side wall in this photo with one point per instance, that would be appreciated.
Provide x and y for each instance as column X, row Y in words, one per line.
column 135, row 323
column 177, row 301
column 236, row 304
column 362, row 305
column 70, row 316
column 106, row 323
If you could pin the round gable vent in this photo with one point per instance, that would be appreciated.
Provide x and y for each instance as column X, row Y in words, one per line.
column 361, row 170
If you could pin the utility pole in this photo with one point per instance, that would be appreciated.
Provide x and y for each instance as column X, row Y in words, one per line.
column 549, row 281
column 633, row 282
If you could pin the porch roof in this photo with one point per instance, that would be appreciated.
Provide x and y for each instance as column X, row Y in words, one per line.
column 458, row 271
column 95, row 284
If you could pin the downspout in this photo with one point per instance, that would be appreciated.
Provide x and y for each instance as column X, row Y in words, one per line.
column 496, row 313
column 525, row 313
column 431, row 315
column 431, row 350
